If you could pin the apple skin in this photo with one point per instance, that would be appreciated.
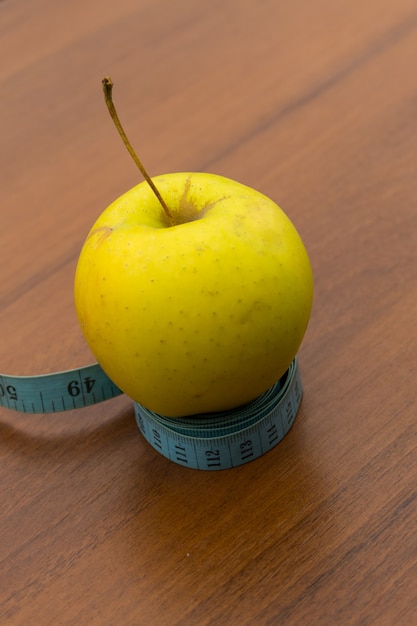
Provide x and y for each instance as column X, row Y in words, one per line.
column 202, row 316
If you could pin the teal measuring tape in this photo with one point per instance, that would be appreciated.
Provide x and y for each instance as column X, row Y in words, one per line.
column 208, row 442
column 224, row 440
column 60, row 391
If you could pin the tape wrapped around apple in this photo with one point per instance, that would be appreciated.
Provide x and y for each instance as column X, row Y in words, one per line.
column 193, row 291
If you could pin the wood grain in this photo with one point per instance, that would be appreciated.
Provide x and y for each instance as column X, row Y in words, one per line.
column 313, row 103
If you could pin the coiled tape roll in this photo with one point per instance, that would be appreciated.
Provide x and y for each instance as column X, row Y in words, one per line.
column 209, row 441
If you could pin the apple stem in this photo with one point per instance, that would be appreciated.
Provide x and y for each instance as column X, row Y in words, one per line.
column 107, row 88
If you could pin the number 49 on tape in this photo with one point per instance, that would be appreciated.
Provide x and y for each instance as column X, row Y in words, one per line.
column 60, row 391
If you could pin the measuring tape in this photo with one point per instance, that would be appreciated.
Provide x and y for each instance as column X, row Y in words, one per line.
column 60, row 391
column 223, row 440
column 210, row 441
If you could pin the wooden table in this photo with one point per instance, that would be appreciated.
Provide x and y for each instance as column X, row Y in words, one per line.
column 313, row 103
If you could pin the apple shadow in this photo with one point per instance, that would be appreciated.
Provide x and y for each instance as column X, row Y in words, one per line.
column 203, row 521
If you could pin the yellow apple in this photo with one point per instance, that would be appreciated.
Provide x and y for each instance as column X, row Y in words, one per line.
column 200, row 314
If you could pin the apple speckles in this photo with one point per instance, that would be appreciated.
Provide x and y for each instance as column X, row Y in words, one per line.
column 188, row 299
